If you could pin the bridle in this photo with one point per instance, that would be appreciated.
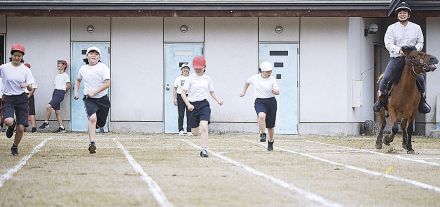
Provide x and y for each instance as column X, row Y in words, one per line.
column 419, row 64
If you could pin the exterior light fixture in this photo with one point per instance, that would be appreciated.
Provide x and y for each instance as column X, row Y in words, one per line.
column 372, row 29
column 90, row 29
column 278, row 29
column 183, row 28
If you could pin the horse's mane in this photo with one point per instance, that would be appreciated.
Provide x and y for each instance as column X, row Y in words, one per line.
column 396, row 76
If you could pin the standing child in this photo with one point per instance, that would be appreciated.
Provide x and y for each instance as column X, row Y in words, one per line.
column 198, row 86
column 30, row 94
column 96, row 76
column 61, row 85
column 1, row 105
column 178, row 101
column 266, row 87
column 16, row 76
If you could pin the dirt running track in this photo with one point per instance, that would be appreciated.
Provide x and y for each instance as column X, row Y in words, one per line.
column 166, row 170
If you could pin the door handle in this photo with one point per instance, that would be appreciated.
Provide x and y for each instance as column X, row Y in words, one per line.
column 167, row 87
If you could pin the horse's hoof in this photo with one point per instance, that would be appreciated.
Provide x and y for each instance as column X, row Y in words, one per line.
column 411, row 151
column 404, row 147
column 378, row 146
column 386, row 140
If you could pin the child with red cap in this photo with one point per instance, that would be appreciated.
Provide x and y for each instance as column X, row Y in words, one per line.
column 198, row 86
column 61, row 86
column 16, row 77
column 31, row 104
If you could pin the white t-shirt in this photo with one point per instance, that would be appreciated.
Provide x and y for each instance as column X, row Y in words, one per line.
column 12, row 77
column 60, row 81
column 263, row 86
column 198, row 87
column 179, row 82
column 93, row 78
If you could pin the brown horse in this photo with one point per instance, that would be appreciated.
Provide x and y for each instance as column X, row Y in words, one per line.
column 404, row 98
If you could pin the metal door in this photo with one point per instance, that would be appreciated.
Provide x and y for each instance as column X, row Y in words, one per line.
column 78, row 112
column 175, row 55
column 284, row 58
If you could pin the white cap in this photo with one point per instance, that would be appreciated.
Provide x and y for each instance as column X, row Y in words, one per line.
column 93, row 48
column 266, row 66
column 185, row 65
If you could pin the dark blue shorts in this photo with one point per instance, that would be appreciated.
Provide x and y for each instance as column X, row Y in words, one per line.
column 201, row 111
column 57, row 98
column 269, row 107
column 19, row 105
column 100, row 106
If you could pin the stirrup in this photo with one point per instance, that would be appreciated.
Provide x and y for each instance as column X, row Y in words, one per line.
column 424, row 108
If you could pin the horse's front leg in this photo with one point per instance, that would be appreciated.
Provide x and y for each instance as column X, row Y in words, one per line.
column 383, row 123
column 389, row 138
column 405, row 135
column 408, row 143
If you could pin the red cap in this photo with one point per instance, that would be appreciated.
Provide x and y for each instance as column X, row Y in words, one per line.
column 17, row 47
column 28, row 65
column 199, row 62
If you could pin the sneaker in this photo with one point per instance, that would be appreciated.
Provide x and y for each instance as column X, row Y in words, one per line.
column 92, row 148
column 181, row 133
column 10, row 131
column 101, row 130
column 14, row 150
column 203, row 153
column 263, row 137
column 60, row 130
column 270, row 146
column 189, row 134
column 34, row 129
column 44, row 125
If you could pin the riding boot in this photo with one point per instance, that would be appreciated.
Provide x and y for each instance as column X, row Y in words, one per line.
column 379, row 103
column 424, row 108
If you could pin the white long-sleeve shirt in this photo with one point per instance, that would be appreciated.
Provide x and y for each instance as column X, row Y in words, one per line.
column 398, row 35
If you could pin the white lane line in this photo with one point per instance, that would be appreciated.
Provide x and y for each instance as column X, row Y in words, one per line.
column 379, row 153
column 351, row 167
column 22, row 162
column 428, row 158
column 307, row 194
column 154, row 187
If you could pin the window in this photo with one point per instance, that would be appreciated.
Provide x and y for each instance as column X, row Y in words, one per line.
column 2, row 49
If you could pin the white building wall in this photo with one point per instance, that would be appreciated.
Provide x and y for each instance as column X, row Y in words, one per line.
column 361, row 68
column 101, row 27
column 323, row 76
column 46, row 39
column 137, row 73
column 432, row 78
column 290, row 27
column 231, row 50
column 195, row 33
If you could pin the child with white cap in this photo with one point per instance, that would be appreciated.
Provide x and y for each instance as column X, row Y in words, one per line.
column 266, row 87
column 96, row 77
column 178, row 101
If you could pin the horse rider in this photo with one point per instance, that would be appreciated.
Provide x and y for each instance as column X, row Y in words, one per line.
column 401, row 33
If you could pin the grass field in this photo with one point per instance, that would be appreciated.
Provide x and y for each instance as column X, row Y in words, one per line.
column 166, row 170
